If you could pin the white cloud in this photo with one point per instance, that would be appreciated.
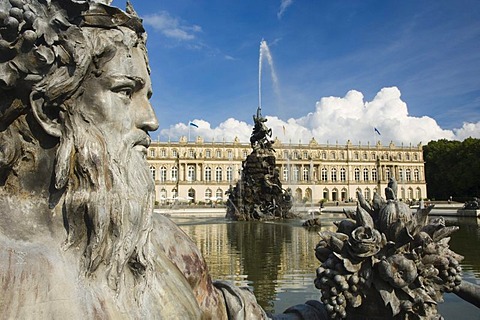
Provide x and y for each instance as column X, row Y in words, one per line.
column 171, row 27
column 283, row 6
column 338, row 119
column 468, row 130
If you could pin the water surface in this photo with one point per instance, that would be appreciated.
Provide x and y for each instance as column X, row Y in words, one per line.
column 276, row 259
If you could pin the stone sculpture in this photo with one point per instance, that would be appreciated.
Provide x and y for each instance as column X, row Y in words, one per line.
column 77, row 236
column 259, row 195
column 383, row 262
column 472, row 205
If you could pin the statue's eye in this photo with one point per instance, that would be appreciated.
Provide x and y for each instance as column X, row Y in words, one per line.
column 125, row 91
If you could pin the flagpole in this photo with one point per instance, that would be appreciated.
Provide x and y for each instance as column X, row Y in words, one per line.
column 189, row 130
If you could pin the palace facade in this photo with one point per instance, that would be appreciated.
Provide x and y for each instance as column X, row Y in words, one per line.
column 203, row 171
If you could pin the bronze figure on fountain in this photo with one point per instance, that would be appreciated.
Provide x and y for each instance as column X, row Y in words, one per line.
column 259, row 195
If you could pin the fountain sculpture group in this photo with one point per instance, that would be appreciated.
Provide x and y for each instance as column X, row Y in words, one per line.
column 258, row 194
column 78, row 238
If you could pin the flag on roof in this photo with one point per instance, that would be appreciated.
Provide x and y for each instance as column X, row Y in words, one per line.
column 376, row 130
column 193, row 124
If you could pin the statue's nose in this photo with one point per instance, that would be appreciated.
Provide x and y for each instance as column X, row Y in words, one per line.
column 145, row 116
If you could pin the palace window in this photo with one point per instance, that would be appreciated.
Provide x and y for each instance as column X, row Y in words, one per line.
column 333, row 174
column 208, row 194
column 219, row 194
column 219, row 154
column 365, row 174
column 208, row 153
column 285, row 174
column 408, row 156
column 152, row 153
column 387, row 173
column 408, row 175
column 357, row 174
column 324, row 155
column 365, row 156
column 163, row 174
column 324, row 174
column 415, row 156
column 218, row 174
column 306, row 174
column 163, row 153
column 174, row 173
column 229, row 154
column 374, row 174
column 285, row 154
column 295, row 173
column 416, row 175
column 355, row 156
column 400, row 173
column 229, row 174
column 175, row 153
column 152, row 171
column 343, row 175
column 333, row 155
column 191, row 173
column 208, row 174
column 191, row 153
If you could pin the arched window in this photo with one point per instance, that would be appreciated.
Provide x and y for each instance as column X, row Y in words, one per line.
column 333, row 174
column 174, row 173
column 208, row 174
column 400, row 173
column 229, row 174
column 416, row 175
column 306, row 174
column 343, row 175
column 419, row 194
column 219, row 194
column 163, row 194
column 357, row 174
column 365, row 174
column 218, row 174
column 191, row 173
column 324, row 174
column 163, row 174
column 387, row 173
column 208, row 194
column 152, row 171
column 295, row 173
column 374, row 174
column 285, row 173
column 408, row 175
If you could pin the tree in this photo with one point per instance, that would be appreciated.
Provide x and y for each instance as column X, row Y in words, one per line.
column 452, row 168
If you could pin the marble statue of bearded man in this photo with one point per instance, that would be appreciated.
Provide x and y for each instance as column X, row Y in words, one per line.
column 77, row 235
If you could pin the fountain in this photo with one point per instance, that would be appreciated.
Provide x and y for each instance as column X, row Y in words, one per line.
column 258, row 194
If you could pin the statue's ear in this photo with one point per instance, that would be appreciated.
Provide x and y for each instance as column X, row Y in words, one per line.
column 47, row 115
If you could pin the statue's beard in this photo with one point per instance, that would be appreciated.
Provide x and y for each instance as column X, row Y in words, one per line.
column 108, row 202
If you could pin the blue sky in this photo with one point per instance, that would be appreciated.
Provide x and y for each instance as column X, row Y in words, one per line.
column 418, row 61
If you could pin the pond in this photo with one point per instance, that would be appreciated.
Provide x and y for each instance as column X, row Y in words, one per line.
column 276, row 259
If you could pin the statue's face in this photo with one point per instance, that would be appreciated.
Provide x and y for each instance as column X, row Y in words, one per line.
column 117, row 101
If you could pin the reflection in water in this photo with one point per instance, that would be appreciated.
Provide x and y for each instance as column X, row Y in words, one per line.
column 276, row 259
